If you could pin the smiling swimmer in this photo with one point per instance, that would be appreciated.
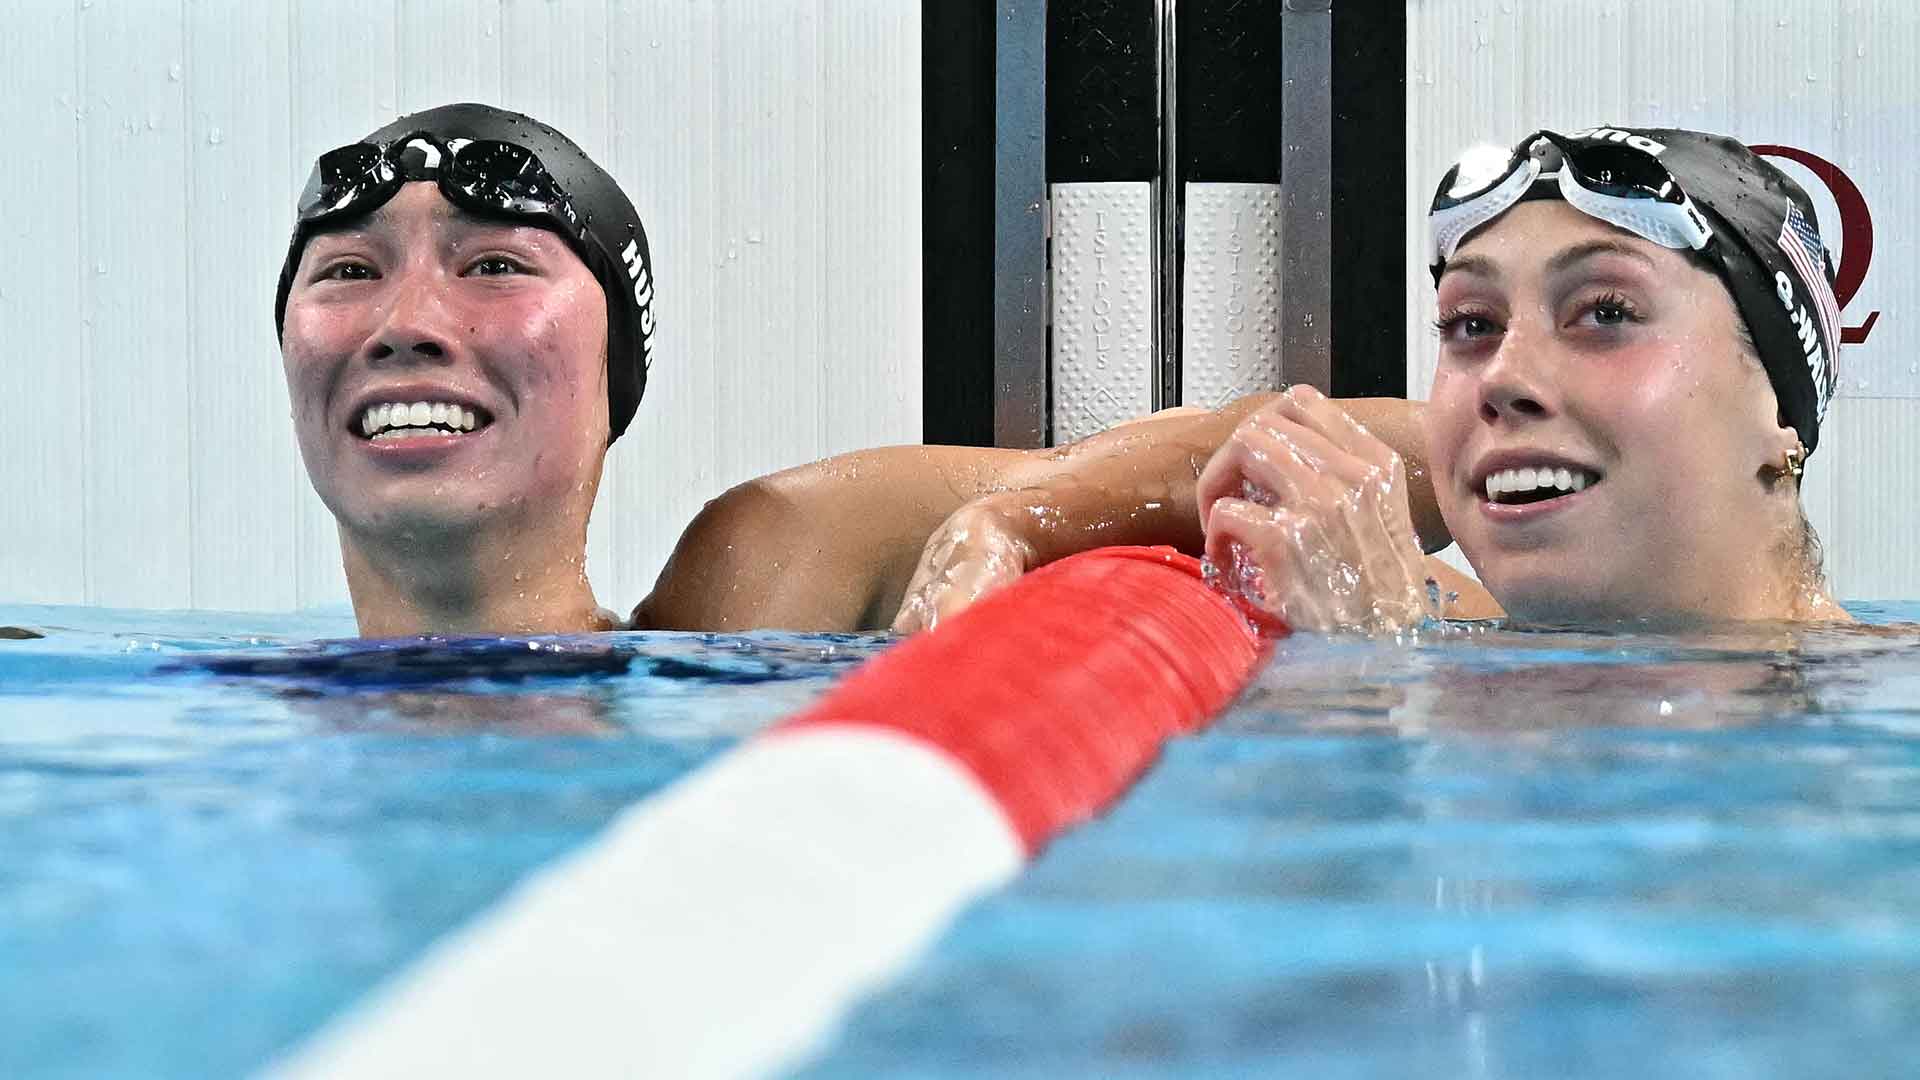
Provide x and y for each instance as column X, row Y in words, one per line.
column 1638, row 342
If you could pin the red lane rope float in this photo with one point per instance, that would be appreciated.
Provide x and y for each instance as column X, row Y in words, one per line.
column 1057, row 692
column 723, row 927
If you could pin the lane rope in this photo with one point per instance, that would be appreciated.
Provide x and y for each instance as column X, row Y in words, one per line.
column 725, row 926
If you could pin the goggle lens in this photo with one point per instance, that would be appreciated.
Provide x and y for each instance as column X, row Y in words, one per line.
column 1622, row 172
column 505, row 177
column 485, row 175
column 346, row 177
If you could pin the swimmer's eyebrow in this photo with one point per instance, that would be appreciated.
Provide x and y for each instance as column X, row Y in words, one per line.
column 1477, row 265
column 1568, row 257
column 1482, row 266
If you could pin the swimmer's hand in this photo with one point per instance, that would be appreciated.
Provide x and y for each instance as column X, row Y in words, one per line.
column 1306, row 513
column 978, row 549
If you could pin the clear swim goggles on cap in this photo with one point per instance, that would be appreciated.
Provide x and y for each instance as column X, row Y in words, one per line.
column 486, row 176
column 1616, row 182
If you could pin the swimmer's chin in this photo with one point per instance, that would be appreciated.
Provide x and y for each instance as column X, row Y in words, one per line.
column 413, row 525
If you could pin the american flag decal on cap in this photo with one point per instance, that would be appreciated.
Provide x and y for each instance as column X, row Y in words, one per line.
column 1801, row 243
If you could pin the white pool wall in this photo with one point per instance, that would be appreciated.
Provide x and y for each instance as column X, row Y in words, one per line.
column 155, row 150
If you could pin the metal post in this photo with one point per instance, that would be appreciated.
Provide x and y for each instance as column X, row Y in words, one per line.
column 1166, row 235
column 1306, row 192
column 1020, row 224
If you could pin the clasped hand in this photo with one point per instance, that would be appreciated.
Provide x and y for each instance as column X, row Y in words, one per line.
column 1306, row 514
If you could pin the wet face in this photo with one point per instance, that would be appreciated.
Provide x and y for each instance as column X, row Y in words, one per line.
column 1597, row 430
column 447, row 372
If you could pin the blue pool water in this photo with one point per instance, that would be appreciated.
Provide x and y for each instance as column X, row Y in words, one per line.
column 1488, row 855
column 199, row 866
column 1482, row 854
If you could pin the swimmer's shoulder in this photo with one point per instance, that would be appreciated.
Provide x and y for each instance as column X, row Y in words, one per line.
column 762, row 556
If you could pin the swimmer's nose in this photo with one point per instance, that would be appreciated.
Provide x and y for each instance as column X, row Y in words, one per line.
column 416, row 327
column 1512, row 386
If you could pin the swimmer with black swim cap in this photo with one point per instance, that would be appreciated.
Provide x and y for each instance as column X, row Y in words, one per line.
column 1638, row 344
column 506, row 166
column 466, row 316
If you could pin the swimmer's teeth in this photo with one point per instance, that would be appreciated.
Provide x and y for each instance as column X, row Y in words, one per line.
column 392, row 419
column 1526, row 480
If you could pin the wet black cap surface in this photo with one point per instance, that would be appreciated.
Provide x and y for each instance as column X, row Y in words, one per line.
column 1768, row 250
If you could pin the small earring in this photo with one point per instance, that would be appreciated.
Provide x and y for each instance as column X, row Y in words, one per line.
column 1794, row 462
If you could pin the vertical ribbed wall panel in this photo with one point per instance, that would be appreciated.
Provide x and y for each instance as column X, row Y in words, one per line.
column 870, row 280
column 669, row 57
column 245, row 463
column 772, row 148
column 1831, row 78
column 139, row 538
column 44, row 378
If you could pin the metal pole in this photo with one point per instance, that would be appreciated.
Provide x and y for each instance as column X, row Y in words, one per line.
column 1020, row 224
column 1306, row 192
column 1167, row 199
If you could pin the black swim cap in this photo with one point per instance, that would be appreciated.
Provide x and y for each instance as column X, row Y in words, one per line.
column 1766, row 248
column 614, row 248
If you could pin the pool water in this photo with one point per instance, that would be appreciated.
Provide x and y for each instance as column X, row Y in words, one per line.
column 1476, row 854
column 1489, row 854
column 213, row 838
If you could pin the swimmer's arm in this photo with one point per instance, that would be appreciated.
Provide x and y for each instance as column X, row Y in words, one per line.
column 834, row 545
column 1135, row 483
column 822, row 547
column 1461, row 597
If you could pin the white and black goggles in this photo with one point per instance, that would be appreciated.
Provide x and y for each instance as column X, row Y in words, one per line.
column 1615, row 182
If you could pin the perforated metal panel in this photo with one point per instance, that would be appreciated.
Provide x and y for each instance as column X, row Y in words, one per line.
column 1230, row 307
column 1103, row 367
